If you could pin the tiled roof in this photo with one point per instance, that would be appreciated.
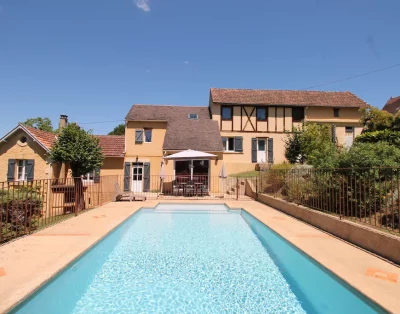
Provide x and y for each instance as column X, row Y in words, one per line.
column 45, row 138
column 201, row 134
column 112, row 145
column 286, row 98
column 392, row 105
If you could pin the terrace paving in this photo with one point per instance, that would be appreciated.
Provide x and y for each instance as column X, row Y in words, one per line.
column 30, row 261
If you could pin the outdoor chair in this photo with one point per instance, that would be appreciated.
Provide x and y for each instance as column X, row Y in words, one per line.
column 189, row 191
column 176, row 188
column 119, row 196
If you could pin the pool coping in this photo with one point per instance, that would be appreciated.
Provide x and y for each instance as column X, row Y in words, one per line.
column 233, row 205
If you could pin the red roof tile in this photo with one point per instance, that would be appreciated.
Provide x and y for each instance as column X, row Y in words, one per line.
column 112, row 145
column 392, row 105
column 286, row 98
column 45, row 138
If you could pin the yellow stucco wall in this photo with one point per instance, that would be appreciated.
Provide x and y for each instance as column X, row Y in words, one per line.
column 320, row 114
column 112, row 166
column 13, row 149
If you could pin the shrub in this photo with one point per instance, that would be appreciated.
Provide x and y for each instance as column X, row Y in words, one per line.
column 375, row 119
column 389, row 136
column 367, row 155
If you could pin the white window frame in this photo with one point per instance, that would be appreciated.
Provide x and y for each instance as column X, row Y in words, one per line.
column 193, row 116
column 86, row 178
column 226, row 148
column 24, row 173
column 144, row 135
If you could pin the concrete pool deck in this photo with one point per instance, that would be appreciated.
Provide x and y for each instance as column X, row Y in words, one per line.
column 30, row 261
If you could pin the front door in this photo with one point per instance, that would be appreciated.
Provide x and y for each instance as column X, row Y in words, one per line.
column 261, row 150
column 137, row 178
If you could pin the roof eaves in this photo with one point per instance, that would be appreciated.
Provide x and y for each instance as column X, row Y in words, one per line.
column 20, row 126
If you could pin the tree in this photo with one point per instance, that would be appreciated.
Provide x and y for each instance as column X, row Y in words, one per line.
column 375, row 119
column 118, row 130
column 81, row 150
column 311, row 144
column 43, row 124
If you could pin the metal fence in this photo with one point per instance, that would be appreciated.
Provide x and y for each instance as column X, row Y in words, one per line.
column 365, row 195
column 195, row 187
column 26, row 207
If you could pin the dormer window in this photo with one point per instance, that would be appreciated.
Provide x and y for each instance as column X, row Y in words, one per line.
column 193, row 116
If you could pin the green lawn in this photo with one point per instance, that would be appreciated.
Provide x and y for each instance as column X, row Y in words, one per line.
column 247, row 174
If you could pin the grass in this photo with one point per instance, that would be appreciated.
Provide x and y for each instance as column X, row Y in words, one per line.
column 247, row 174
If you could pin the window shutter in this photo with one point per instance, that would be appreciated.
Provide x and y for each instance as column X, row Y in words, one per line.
column 238, row 144
column 146, row 177
column 138, row 136
column 127, row 175
column 96, row 178
column 30, row 165
column 11, row 170
column 333, row 133
column 253, row 150
column 271, row 150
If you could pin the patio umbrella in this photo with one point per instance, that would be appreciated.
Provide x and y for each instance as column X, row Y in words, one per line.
column 222, row 176
column 162, row 176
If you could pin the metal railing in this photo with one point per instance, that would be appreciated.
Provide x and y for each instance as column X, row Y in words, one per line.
column 364, row 195
column 26, row 207
column 184, row 187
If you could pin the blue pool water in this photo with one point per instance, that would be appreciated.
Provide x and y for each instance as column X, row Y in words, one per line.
column 195, row 259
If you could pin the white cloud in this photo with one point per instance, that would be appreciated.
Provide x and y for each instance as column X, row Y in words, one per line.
column 143, row 4
column 186, row 62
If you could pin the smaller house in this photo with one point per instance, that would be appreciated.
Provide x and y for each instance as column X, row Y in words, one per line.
column 24, row 155
column 393, row 105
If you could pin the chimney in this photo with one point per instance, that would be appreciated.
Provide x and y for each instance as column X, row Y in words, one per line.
column 63, row 122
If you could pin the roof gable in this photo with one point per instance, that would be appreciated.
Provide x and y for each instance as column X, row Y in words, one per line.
column 392, row 105
column 286, row 98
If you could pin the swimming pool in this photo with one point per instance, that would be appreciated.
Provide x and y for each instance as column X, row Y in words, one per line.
column 195, row 259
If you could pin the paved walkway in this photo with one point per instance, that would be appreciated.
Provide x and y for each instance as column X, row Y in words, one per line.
column 30, row 261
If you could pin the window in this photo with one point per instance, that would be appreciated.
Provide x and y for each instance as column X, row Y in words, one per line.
column 229, row 144
column 298, row 114
column 336, row 112
column 226, row 113
column 262, row 114
column 193, row 116
column 89, row 177
column 22, row 174
column 147, row 135
column 349, row 130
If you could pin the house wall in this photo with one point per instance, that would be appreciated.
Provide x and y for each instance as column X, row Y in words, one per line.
column 14, row 149
column 279, row 122
column 112, row 166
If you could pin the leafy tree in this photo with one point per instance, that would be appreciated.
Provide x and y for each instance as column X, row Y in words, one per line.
column 368, row 155
column 293, row 151
column 43, row 124
column 389, row 136
column 312, row 144
column 118, row 130
column 375, row 119
column 81, row 150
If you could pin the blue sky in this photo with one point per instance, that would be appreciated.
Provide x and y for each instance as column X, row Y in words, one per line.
column 93, row 59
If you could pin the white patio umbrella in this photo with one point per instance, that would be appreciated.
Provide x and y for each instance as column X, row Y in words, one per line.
column 162, row 176
column 222, row 175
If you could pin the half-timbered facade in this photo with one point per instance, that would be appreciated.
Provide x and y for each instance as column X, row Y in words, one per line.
column 253, row 123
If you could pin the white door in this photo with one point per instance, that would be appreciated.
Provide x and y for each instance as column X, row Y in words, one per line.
column 137, row 179
column 261, row 150
column 349, row 136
